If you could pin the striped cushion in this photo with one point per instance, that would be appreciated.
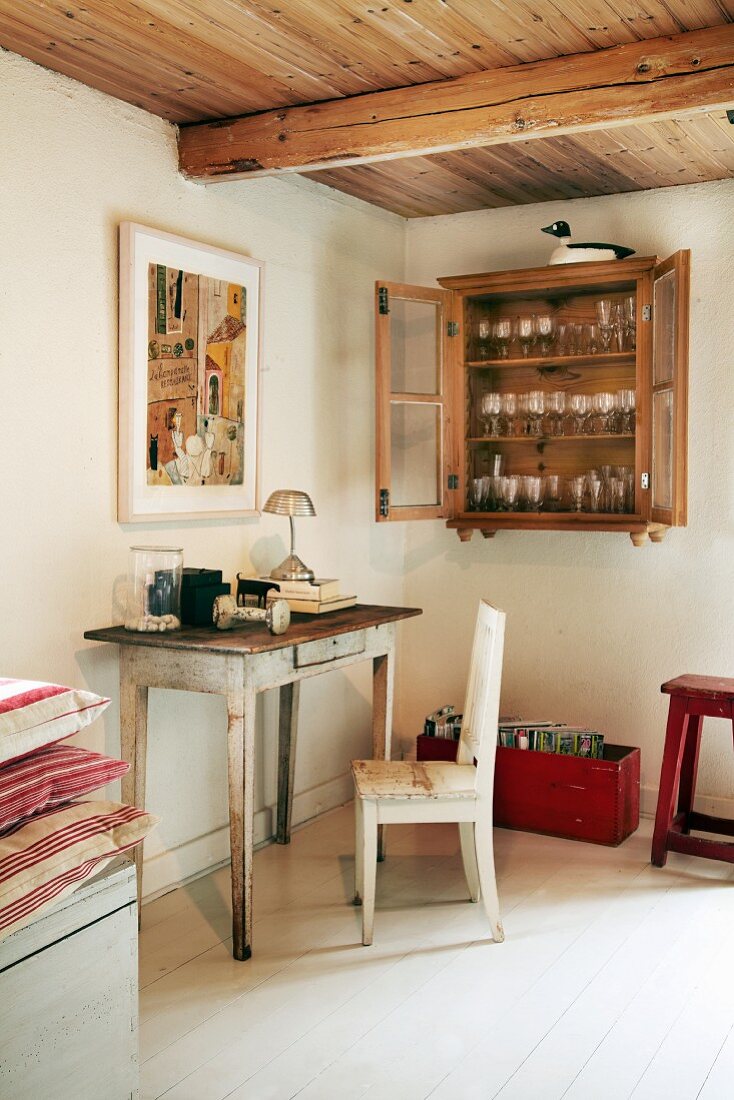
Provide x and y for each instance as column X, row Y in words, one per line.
column 50, row 776
column 34, row 714
column 43, row 858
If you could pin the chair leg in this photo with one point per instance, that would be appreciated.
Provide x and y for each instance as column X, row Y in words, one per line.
column 358, row 850
column 469, row 857
column 369, row 868
column 689, row 766
column 484, row 841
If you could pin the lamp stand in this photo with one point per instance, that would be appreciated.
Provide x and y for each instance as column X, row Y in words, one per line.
column 292, row 568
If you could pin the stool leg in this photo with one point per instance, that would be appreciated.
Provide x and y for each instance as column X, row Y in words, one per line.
column 689, row 766
column 669, row 778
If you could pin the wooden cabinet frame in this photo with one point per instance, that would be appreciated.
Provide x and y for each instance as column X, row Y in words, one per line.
column 658, row 365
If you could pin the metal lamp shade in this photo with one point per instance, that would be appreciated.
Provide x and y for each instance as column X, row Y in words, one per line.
column 291, row 502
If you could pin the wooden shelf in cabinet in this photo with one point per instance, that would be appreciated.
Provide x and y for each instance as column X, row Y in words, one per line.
column 607, row 359
column 489, row 523
column 544, row 439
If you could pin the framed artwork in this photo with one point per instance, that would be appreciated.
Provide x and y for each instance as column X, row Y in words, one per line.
column 189, row 369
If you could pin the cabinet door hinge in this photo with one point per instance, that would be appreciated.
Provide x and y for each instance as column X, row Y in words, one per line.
column 647, row 313
column 453, row 481
column 384, row 502
column 645, row 481
column 383, row 300
column 452, row 328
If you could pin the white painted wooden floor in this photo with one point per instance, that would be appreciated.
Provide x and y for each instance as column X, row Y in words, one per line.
column 616, row 979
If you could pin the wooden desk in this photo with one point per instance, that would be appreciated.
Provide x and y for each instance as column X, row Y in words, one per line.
column 238, row 664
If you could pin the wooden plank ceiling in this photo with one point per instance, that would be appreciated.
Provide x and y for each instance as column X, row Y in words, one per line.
column 196, row 60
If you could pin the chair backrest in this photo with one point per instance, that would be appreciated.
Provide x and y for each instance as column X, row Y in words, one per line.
column 482, row 705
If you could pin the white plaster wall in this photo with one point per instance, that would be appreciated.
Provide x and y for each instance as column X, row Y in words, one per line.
column 73, row 164
column 594, row 626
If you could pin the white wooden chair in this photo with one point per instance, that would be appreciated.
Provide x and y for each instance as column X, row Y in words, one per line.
column 393, row 792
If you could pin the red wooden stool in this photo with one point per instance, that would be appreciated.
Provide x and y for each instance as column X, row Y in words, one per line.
column 691, row 698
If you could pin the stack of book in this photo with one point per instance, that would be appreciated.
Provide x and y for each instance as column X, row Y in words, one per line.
column 552, row 737
column 312, row 597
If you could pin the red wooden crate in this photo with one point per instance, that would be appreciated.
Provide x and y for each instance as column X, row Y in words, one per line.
column 567, row 796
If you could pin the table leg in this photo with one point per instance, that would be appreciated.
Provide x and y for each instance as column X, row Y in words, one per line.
column 133, row 746
column 241, row 707
column 287, row 737
column 383, row 673
column 669, row 779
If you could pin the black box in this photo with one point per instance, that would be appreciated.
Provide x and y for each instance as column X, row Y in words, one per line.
column 197, row 602
column 195, row 578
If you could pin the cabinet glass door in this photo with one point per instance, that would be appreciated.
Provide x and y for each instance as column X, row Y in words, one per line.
column 670, row 390
column 412, row 451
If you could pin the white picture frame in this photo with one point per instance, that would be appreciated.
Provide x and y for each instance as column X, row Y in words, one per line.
column 188, row 404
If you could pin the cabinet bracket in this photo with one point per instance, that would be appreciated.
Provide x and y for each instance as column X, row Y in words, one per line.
column 383, row 301
column 384, row 502
column 452, row 328
column 453, row 481
column 647, row 313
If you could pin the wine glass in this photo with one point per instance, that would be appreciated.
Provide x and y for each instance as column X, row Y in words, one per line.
column 484, row 339
column 577, row 407
column 510, row 489
column 533, row 493
column 476, row 490
column 522, row 424
column 576, row 487
column 490, row 411
column 553, row 491
column 591, row 333
column 594, row 483
column 604, row 317
column 577, row 339
column 618, row 488
column 536, row 410
column 603, row 405
column 555, row 408
column 605, row 502
column 629, row 309
column 544, row 328
column 627, row 401
column 562, row 335
column 502, row 336
column 526, row 333
column 509, row 411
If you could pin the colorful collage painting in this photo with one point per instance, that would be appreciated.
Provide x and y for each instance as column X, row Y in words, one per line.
column 197, row 330
column 189, row 373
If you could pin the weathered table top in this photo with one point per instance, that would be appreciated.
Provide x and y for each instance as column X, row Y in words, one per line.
column 249, row 638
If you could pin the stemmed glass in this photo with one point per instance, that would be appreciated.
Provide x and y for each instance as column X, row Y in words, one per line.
column 553, row 492
column 490, row 412
column 510, row 488
column 536, row 410
column 522, row 425
column 484, row 339
column 592, row 339
column 603, row 406
column 594, row 484
column 555, row 408
column 576, row 487
column 577, row 404
column 606, row 492
column 604, row 317
column 576, row 339
column 476, row 493
column 526, row 333
column 502, row 336
column 509, row 411
column 533, row 493
column 618, row 488
column 562, row 334
column 629, row 309
column 544, row 327
column 627, row 402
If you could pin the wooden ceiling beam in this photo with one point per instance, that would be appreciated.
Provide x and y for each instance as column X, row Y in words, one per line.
column 639, row 82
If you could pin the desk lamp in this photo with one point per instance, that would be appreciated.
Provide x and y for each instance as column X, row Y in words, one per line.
column 291, row 502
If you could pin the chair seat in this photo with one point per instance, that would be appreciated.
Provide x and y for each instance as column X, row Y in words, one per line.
column 410, row 779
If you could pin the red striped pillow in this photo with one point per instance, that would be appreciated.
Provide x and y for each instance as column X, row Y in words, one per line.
column 34, row 714
column 50, row 776
column 45, row 857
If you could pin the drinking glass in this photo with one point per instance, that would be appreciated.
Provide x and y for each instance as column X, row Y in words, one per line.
column 502, row 336
column 605, row 501
column 533, row 493
column 495, row 464
column 486, row 493
column 594, row 484
column 627, row 401
column 576, row 487
column 526, row 333
column 555, row 408
column 577, row 406
column 553, row 492
column 509, row 411
column 604, row 317
column 522, row 425
column 510, row 489
column 490, row 412
column 629, row 309
column 629, row 491
column 603, row 405
column 484, row 339
column 544, row 327
column 497, row 492
column 591, row 333
column 617, row 486
column 476, row 490
column 536, row 410
column 562, row 335
column 576, row 339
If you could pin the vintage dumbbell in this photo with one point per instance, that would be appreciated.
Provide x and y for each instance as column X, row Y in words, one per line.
column 276, row 616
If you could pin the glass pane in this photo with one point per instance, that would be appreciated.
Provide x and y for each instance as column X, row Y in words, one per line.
column 415, row 346
column 415, row 433
column 664, row 339
column 662, row 449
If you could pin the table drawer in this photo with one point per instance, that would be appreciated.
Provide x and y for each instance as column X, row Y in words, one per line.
column 329, row 649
